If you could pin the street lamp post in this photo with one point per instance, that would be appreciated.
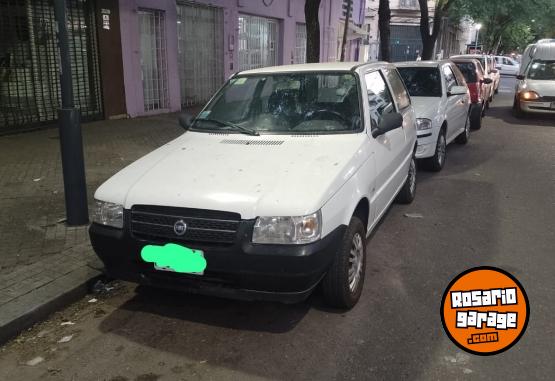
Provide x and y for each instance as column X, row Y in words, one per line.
column 478, row 26
column 71, row 141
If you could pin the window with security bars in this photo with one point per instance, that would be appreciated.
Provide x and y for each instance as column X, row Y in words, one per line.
column 200, row 50
column 154, row 68
column 300, row 44
column 29, row 71
column 257, row 42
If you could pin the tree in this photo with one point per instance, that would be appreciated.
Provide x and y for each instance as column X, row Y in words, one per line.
column 384, row 17
column 311, row 8
column 429, row 38
column 346, row 29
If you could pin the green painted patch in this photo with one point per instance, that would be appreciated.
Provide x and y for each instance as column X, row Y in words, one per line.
column 174, row 257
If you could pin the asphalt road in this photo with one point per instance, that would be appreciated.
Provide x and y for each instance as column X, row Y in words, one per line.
column 493, row 204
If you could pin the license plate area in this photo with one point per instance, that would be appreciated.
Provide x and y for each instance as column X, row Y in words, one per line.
column 175, row 258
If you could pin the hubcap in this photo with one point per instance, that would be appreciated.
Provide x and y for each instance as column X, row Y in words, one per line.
column 412, row 176
column 441, row 149
column 467, row 126
column 356, row 258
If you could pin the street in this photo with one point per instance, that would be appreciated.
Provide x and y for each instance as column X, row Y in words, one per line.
column 493, row 204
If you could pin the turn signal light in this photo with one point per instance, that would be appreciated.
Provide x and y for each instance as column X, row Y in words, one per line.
column 529, row 95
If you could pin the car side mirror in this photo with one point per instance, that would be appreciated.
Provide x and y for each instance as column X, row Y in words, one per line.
column 185, row 120
column 520, row 76
column 457, row 90
column 487, row 81
column 389, row 122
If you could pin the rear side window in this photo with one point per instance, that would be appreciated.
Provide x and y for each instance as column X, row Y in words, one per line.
column 399, row 91
column 379, row 97
column 468, row 70
column 450, row 80
column 458, row 75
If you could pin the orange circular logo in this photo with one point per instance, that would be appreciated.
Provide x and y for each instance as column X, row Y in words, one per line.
column 485, row 310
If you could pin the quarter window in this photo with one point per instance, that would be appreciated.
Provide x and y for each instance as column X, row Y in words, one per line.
column 399, row 91
column 450, row 80
column 379, row 97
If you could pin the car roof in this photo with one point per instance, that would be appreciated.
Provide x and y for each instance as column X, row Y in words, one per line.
column 323, row 66
column 469, row 56
column 421, row 63
column 544, row 50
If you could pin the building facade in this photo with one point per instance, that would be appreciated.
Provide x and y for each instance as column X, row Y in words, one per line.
column 143, row 57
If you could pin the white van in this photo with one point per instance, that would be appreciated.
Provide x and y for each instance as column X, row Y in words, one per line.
column 535, row 90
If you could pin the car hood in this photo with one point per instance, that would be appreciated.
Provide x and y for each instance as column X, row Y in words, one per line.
column 250, row 175
column 544, row 88
column 427, row 107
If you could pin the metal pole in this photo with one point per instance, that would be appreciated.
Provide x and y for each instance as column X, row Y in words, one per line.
column 71, row 141
column 476, row 42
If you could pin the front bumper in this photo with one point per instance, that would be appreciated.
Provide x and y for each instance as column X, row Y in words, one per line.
column 427, row 140
column 538, row 106
column 242, row 270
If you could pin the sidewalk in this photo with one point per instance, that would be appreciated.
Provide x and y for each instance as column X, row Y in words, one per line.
column 43, row 263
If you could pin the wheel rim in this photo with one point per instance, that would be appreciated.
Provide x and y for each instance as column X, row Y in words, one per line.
column 412, row 176
column 441, row 149
column 356, row 259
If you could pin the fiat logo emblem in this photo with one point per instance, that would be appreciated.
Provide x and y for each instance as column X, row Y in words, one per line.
column 180, row 227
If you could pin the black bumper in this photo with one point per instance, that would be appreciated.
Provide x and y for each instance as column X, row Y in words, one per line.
column 286, row 273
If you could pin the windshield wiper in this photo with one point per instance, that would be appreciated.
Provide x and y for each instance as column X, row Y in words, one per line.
column 236, row 127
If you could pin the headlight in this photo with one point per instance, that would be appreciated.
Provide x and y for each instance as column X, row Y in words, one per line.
column 423, row 124
column 529, row 95
column 288, row 230
column 107, row 213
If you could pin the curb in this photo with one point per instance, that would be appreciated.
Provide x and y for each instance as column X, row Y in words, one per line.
column 25, row 311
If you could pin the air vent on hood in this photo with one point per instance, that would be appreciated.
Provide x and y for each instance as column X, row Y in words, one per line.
column 305, row 135
column 253, row 142
column 218, row 133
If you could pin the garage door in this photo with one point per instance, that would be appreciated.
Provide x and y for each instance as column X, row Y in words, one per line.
column 200, row 51
column 257, row 42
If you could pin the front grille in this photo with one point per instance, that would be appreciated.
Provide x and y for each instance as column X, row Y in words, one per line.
column 203, row 226
column 546, row 99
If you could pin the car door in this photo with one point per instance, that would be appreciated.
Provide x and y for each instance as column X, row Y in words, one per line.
column 388, row 148
column 455, row 109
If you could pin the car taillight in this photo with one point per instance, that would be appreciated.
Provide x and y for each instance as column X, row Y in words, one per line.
column 474, row 92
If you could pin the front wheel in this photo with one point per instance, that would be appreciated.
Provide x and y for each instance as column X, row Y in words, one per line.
column 342, row 285
column 436, row 162
column 408, row 191
column 517, row 111
column 463, row 137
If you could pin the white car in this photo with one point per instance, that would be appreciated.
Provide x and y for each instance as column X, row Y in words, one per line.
column 535, row 89
column 275, row 185
column 442, row 105
column 507, row 65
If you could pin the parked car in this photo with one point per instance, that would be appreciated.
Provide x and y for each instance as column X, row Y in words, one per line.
column 535, row 89
column 477, row 85
column 488, row 72
column 441, row 102
column 276, row 183
column 495, row 74
column 529, row 52
column 507, row 65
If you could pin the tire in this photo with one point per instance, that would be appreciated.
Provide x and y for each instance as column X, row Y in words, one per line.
column 408, row 191
column 475, row 118
column 517, row 111
column 487, row 107
column 436, row 162
column 464, row 136
column 340, row 289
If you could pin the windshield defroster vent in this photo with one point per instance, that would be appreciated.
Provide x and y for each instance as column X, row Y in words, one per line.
column 253, row 142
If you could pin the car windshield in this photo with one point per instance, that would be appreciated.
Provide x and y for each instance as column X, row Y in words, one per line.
column 542, row 70
column 422, row 81
column 468, row 70
column 307, row 102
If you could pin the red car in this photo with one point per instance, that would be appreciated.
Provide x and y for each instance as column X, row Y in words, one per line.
column 477, row 84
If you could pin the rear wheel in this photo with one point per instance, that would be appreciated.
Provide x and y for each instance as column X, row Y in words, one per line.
column 342, row 285
column 408, row 191
column 476, row 117
column 436, row 162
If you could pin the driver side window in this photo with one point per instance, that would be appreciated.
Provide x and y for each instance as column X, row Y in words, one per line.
column 379, row 97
